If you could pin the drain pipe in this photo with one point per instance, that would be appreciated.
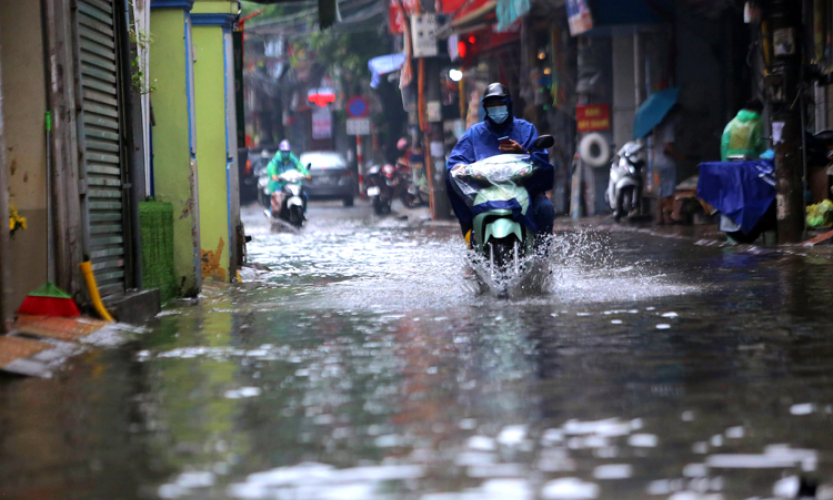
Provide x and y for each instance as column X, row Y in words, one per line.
column 5, row 252
column 135, row 179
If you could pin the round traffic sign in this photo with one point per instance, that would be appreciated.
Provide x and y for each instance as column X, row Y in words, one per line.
column 357, row 107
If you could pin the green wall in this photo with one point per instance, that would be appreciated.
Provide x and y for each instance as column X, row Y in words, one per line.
column 174, row 171
column 209, row 83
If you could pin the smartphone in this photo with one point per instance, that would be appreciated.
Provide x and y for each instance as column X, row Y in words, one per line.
column 504, row 140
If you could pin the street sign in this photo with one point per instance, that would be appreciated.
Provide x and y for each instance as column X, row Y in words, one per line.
column 358, row 126
column 358, row 107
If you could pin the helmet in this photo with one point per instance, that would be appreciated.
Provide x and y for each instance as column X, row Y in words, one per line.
column 495, row 91
column 284, row 146
column 402, row 143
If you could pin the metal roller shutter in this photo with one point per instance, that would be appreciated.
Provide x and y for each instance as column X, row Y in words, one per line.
column 101, row 142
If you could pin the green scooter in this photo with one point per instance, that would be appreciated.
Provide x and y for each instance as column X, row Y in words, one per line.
column 494, row 189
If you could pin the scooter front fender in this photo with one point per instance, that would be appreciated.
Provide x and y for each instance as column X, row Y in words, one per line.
column 502, row 228
column 295, row 201
column 627, row 181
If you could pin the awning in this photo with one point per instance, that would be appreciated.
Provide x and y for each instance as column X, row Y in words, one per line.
column 473, row 12
column 383, row 65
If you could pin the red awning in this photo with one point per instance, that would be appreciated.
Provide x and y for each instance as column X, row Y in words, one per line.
column 470, row 11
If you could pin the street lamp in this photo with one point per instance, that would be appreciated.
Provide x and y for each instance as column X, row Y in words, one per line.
column 455, row 74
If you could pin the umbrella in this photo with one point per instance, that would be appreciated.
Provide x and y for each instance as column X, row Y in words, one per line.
column 653, row 110
column 383, row 65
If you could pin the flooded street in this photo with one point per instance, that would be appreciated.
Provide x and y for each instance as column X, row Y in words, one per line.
column 366, row 363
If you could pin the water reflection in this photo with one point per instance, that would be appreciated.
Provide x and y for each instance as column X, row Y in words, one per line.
column 364, row 364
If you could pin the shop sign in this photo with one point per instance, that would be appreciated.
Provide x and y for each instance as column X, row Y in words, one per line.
column 579, row 17
column 593, row 118
column 321, row 96
column 424, row 35
column 396, row 18
column 322, row 123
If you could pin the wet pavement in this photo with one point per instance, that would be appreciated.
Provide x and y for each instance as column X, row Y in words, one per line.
column 368, row 363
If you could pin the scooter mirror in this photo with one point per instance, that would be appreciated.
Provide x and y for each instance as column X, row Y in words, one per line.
column 543, row 142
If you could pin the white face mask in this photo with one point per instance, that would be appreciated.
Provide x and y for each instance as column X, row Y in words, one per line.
column 498, row 114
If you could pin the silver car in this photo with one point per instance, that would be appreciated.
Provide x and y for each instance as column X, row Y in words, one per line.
column 332, row 178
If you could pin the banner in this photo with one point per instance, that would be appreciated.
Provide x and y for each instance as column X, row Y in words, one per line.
column 322, row 123
column 593, row 118
column 579, row 17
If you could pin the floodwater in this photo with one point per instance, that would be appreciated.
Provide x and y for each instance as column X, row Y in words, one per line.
column 367, row 363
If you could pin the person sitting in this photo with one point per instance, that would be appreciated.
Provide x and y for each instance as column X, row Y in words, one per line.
column 744, row 135
column 482, row 141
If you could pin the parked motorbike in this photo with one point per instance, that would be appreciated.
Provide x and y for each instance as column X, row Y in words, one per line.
column 494, row 189
column 625, row 187
column 290, row 205
column 384, row 183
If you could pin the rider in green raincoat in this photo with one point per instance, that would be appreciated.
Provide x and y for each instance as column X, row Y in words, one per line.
column 744, row 135
column 284, row 160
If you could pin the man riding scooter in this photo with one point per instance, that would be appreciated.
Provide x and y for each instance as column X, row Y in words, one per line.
column 283, row 161
column 502, row 133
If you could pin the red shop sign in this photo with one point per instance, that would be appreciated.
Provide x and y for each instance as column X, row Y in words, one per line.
column 593, row 117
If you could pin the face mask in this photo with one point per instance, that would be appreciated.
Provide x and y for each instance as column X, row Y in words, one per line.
column 498, row 114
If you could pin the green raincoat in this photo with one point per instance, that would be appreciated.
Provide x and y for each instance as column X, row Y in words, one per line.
column 743, row 136
column 278, row 166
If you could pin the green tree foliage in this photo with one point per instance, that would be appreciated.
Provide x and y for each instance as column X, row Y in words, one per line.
column 343, row 55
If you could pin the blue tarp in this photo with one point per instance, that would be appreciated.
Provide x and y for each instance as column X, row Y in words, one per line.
column 742, row 191
column 383, row 65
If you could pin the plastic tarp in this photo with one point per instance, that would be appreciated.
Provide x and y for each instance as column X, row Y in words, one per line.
column 742, row 191
column 496, row 183
column 383, row 65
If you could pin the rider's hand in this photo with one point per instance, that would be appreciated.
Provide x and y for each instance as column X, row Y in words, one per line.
column 274, row 177
column 510, row 146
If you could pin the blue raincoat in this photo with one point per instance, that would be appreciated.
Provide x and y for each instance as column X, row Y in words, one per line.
column 481, row 142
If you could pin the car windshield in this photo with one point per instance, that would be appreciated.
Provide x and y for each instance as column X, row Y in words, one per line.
column 323, row 159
